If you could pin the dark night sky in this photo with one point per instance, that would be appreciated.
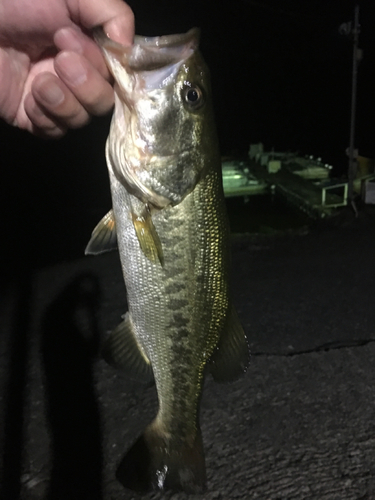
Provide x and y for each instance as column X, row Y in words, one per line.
column 281, row 71
column 281, row 74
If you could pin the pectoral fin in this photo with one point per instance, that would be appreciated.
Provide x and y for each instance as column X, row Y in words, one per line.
column 148, row 237
column 104, row 237
column 231, row 357
column 123, row 351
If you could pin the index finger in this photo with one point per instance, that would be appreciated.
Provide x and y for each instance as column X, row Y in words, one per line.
column 115, row 16
column 72, row 39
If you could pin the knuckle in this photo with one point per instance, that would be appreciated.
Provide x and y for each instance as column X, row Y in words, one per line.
column 79, row 121
column 49, row 132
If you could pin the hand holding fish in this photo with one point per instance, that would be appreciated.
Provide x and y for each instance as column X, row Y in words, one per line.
column 52, row 74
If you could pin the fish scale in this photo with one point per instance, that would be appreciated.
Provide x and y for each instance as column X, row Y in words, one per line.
column 185, row 346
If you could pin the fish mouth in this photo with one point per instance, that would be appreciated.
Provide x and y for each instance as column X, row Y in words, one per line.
column 148, row 53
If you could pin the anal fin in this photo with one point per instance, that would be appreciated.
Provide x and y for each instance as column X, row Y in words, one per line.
column 104, row 236
column 232, row 355
column 122, row 350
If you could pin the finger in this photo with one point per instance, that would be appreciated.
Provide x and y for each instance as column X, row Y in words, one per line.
column 121, row 28
column 73, row 40
column 41, row 124
column 49, row 133
column 86, row 83
column 115, row 16
column 58, row 102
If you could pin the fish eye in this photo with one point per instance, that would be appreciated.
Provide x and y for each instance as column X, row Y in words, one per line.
column 193, row 96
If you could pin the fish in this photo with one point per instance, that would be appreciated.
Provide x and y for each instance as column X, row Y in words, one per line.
column 170, row 225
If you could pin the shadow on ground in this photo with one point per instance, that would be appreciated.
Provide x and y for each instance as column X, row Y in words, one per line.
column 13, row 422
column 70, row 342
column 69, row 346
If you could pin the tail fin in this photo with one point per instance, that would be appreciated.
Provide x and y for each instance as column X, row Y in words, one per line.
column 155, row 462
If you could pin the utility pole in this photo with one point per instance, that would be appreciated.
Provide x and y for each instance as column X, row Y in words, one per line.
column 352, row 167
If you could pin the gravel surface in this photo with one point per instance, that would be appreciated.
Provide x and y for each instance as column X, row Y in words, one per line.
column 299, row 425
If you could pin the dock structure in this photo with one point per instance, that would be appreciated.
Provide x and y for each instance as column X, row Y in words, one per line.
column 302, row 182
column 238, row 180
column 317, row 200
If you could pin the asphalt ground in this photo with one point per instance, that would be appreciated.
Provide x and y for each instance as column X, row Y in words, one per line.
column 299, row 425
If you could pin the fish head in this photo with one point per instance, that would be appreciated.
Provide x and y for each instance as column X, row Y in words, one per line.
column 162, row 132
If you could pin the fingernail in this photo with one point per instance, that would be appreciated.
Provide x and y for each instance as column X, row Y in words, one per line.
column 70, row 68
column 69, row 39
column 51, row 94
column 118, row 36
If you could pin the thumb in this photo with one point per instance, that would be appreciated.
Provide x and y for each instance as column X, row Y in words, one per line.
column 115, row 16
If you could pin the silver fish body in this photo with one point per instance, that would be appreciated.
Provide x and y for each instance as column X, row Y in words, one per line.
column 173, row 238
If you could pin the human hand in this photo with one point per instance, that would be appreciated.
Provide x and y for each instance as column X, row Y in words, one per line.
column 52, row 74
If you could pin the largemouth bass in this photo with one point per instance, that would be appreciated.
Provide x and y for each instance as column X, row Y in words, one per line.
column 170, row 223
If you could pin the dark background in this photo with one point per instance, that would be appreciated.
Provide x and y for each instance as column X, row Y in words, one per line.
column 281, row 75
